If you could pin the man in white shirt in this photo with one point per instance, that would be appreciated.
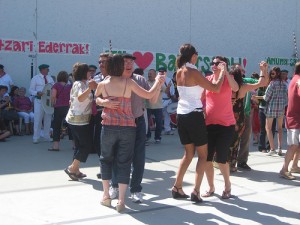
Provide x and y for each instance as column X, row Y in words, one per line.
column 5, row 79
column 37, row 85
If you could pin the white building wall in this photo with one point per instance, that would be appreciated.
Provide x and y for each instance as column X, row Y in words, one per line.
column 251, row 29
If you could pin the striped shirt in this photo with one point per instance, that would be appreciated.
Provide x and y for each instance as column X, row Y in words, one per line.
column 119, row 117
column 276, row 99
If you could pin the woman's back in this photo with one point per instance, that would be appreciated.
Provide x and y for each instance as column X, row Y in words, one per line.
column 118, row 88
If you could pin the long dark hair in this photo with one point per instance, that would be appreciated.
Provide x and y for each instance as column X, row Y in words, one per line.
column 186, row 51
column 237, row 74
column 275, row 69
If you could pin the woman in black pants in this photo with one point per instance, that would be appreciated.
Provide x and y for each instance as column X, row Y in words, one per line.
column 60, row 97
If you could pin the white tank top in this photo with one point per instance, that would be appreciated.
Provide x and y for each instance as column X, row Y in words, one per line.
column 189, row 99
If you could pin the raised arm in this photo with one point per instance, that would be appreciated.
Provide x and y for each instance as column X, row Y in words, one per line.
column 263, row 80
column 144, row 93
column 232, row 83
column 215, row 87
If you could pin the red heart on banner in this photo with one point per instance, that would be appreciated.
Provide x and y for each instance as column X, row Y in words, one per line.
column 143, row 61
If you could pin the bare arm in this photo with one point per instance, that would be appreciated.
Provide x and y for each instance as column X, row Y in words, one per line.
column 261, row 82
column 156, row 95
column 232, row 83
column 109, row 102
column 215, row 87
column 144, row 93
column 53, row 96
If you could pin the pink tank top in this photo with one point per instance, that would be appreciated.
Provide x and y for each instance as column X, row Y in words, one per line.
column 218, row 105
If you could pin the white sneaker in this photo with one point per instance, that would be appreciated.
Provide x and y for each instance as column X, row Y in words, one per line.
column 113, row 192
column 137, row 197
column 272, row 152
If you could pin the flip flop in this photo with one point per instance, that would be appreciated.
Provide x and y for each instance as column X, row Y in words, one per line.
column 53, row 149
column 71, row 175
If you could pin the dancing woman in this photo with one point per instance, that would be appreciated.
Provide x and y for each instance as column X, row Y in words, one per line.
column 118, row 126
column 190, row 117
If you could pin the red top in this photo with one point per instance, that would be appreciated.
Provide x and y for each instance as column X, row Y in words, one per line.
column 218, row 105
column 119, row 117
column 22, row 103
column 293, row 109
column 62, row 94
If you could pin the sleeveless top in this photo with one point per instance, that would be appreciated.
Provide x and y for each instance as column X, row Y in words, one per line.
column 238, row 109
column 189, row 99
column 218, row 105
column 119, row 117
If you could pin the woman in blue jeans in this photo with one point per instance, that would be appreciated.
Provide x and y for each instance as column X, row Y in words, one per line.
column 118, row 126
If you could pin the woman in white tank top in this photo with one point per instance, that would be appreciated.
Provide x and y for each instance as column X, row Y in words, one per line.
column 190, row 117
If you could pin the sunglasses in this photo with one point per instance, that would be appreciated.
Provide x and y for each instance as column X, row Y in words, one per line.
column 215, row 63
column 103, row 62
column 273, row 73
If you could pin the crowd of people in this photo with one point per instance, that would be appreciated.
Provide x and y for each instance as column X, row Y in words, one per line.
column 113, row 113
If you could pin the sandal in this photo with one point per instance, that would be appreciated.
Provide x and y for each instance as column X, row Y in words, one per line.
column 71, row 175
column 279, row 151
column 176, row 194
column 80, row 175
column 226, row 194
column 106, row 202
column 208, row 194
column 195, row 197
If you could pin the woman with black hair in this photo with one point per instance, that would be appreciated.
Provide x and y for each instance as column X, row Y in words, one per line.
column 238, row 108
column 190, row 117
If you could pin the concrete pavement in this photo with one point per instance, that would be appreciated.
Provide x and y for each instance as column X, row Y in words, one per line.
column 34, row 190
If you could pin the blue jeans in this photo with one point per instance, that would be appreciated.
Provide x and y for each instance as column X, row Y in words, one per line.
column 158, row 122
column 139, row 155
column 117, row 145
column 262, row 135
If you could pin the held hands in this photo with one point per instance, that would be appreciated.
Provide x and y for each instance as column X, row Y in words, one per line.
column 263, row 66
column 161, row 77
column 222, row 66
column 92, row 84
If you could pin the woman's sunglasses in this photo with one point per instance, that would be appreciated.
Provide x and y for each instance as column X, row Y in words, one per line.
column 215, row 63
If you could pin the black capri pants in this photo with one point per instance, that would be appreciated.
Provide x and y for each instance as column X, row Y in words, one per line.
column 219, row 141
column 82, row 136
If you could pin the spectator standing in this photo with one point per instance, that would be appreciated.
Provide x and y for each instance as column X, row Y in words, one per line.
column 37, row 85
column 276, row 99
column 155, row 109
column 60, row 98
